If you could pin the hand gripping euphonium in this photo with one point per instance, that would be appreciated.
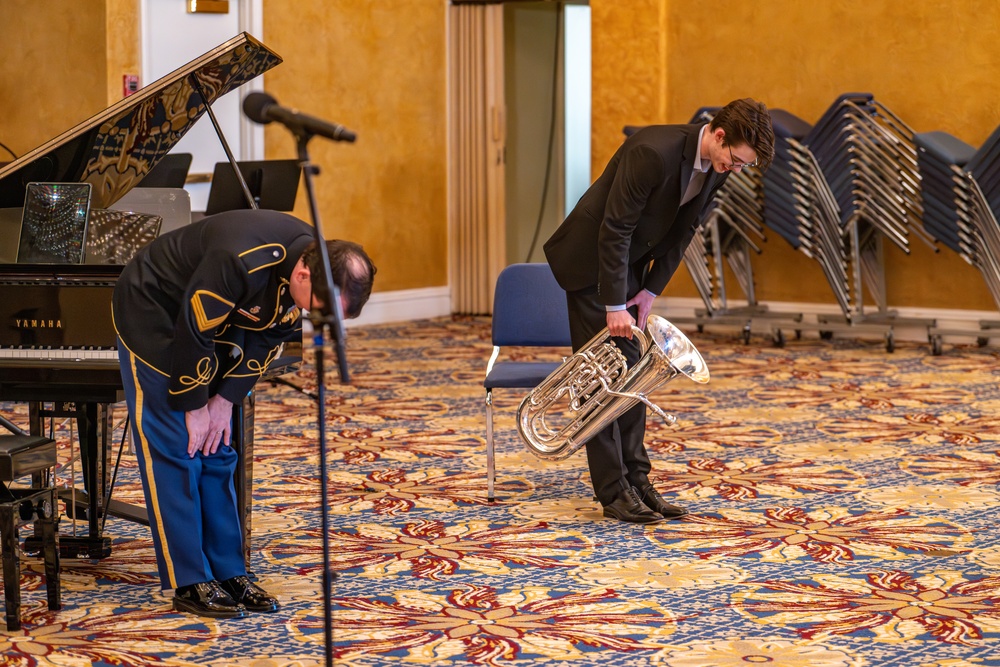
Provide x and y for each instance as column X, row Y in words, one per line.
column 594, row 387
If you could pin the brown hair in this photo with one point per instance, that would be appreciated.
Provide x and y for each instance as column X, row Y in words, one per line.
column 352, row 270
column 747, row 121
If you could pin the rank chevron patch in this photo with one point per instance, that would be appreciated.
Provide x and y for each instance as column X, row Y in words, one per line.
column 210, row 310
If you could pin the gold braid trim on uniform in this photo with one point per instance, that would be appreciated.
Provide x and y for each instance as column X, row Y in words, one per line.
column 277, row 306
column 130, row 351
column 236, row 352
column 260, row 369
column 270, row 257
column 205, row 372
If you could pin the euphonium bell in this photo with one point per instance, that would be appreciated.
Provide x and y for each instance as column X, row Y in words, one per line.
column 594, row 387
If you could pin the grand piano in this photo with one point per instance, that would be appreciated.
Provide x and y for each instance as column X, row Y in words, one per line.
column 58, row 348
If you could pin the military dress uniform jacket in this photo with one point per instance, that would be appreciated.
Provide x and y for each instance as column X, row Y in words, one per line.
column 208, row 305
column 632, row 216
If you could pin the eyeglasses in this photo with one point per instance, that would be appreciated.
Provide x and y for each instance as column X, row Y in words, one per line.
column 735, row 164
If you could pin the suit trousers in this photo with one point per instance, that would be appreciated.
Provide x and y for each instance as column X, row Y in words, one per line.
column 616, row 456
column 192, row 506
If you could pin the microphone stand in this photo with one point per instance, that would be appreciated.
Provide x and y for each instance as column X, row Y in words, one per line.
column 329, row 316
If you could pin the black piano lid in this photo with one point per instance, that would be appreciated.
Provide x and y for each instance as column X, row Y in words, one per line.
column 114, row 149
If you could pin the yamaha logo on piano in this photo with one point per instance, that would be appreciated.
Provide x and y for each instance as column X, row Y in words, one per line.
column 71, row 311
column 38, row 324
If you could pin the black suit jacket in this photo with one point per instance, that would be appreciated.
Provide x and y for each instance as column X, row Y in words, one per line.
column 632, row 215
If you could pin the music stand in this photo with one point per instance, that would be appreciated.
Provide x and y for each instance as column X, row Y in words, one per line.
column 273, row 184
column 170, row 172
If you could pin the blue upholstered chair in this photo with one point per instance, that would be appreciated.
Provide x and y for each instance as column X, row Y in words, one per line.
column 529, row 310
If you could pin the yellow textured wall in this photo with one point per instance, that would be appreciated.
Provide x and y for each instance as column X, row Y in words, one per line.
column 53, row 69
column 933, row 63
column 378, row 68
column 122, row 45
column 629, row 42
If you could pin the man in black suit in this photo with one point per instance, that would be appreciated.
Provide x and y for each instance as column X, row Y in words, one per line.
column 618, row 248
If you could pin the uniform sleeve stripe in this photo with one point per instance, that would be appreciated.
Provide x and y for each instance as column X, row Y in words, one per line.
column 202, row 301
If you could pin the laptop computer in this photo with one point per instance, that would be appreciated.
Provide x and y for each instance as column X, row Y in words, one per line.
column 54, row 223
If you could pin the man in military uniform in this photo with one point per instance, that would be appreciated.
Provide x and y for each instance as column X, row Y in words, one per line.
column 200, row 313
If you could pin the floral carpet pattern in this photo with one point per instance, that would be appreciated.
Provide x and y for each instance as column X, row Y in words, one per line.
column 842, row 499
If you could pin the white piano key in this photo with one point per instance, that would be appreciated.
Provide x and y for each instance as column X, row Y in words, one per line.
column 65, row 354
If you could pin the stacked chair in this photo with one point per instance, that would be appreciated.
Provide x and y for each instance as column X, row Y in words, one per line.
column 731, row 229
column 835, row 191
column 960, row 193
column 800, row 206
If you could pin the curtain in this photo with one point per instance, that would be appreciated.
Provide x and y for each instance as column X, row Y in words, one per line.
column 476, row 162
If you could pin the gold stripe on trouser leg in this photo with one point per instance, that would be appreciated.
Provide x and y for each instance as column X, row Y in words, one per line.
column 150, row 480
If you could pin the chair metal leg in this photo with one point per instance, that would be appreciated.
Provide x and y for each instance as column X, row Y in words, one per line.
column 490, row 470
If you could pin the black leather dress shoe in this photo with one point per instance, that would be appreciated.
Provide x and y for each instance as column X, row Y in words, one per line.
column 249, row 594
column 628, row 507
column 654, row 501
column 208, row 599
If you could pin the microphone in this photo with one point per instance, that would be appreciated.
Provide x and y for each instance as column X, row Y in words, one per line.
column 262, row 108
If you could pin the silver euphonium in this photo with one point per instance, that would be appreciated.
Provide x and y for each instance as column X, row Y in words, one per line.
column 594, row 387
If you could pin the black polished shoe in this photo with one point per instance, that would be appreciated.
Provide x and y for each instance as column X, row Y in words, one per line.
column 252, row 596
column 208, row 599
column 654, row 501
column 628, row 507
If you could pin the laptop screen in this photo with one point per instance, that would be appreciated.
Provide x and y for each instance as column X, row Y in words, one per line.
column 54, row 223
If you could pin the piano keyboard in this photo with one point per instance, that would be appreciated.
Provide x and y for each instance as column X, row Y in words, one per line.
column 59, row 354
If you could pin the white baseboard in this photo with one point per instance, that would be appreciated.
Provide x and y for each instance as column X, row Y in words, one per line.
column 956, row 322
column 429, row 302
column 404, row 305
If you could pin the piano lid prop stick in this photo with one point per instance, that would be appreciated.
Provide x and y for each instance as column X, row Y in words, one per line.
column 196, row 84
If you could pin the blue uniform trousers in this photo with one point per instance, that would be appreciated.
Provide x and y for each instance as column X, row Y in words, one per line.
column 191, row 501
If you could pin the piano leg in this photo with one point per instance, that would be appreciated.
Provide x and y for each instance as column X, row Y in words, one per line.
column 95, row 434
column 242, row 440
column 93, row 421
column 94, row 429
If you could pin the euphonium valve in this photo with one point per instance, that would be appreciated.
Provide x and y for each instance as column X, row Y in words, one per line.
column 594, row 387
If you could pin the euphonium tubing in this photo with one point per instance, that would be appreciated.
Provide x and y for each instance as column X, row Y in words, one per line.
column 594, row 387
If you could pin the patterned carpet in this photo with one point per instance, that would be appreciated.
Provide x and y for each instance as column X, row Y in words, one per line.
column 843, row 503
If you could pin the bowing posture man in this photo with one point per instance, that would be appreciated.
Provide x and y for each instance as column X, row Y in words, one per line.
column 618, row 248
column 200, row 313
